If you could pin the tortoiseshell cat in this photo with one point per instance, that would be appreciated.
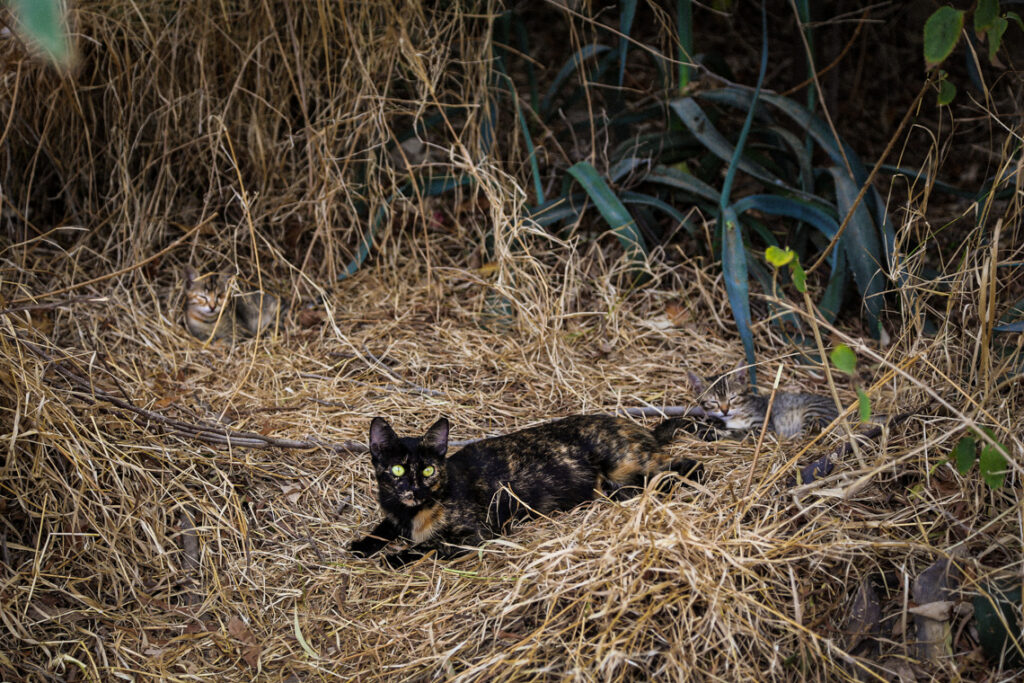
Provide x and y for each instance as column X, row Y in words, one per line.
column 730, row 400
column 441, row 503
column 212, row 312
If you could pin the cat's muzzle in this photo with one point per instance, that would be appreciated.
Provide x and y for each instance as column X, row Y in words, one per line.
column 407, row 498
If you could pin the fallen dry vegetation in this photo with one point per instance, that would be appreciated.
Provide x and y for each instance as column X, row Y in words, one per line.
column 139, row 540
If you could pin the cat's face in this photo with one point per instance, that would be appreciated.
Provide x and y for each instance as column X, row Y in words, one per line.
column 410, row 471
column 727, row 398
column 205, row 294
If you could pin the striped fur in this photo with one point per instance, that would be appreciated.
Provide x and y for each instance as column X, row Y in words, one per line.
column 212, row 312
column 727, row 398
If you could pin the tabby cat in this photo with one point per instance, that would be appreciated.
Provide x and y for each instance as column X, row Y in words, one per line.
column 730, row 400
column 440, row 503
column 213, row 312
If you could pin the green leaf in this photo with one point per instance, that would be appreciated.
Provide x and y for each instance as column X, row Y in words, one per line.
column 985, row 15
column 791, row 208
column 573, row 62
column 863, row 405
column 737, row 285
column 698, row 123
column 626, row 13
column 778, row 257
column 964, row 454
column 672, row 177
column 799, row 276
column 844, row 359
column 612, row 209
column 941, row 34
column 1016, row 18
column 947, row 91
column 862, row 247
column 41, row 20
column 993, row 465
column 678, row 216
column 996, row 607
column 995, row 37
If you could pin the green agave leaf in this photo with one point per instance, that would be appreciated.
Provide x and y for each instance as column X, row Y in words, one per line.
column 779, row 316
column 432, row 188
column 41, row 20
column 941, row 34
column 665, row 175
column 627, row 10
column 664, row 207
column 734, row 271
column 833, row 296
column 623, row 167
column 558, row 209
column 581, row 55
column 612, row 209
column 791, row 208
column 658, row 145
column 801, row 152
column 863, row 251
column 698, row 123
column 684, row 27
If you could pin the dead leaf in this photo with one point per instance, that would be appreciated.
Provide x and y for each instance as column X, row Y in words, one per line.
column 864, row 619
column 163, row 402
column 677, row 313
column 311, row 317
column 238, row 630
column 660, row 323
column 939, row 610
column 292, row 492
column 934, row 585
column 251, row 655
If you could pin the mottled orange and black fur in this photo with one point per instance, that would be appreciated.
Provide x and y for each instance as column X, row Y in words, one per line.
column 212, row 312
column 440, row 503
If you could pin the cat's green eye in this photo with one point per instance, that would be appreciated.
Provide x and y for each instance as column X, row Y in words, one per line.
column 428, row 471
column 397, row 470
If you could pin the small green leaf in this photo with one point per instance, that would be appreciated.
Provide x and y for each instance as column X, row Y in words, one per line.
column 778, row 257
column 863, row 405
column 993, row 466
column 985, row 15
column 844, row 359
column 995, row 37
column 964, row 454
column 947, row 91
column 799, row 276
column 41, row 19
column 941, row 34
column 1016, row 18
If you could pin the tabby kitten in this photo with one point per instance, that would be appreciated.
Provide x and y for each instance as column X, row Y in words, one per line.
column 441, row 503
column 729, row 399
column 212, row 312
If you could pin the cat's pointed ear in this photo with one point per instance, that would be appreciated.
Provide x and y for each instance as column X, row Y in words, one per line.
column 695, row 381
column 436, row 438
column 382, row 437
column 190, row 276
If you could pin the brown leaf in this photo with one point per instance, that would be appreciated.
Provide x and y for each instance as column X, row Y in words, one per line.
column 251, row 655
column 163, row 402
column 865, row 616
column 292, row 492
column 238, row 630
column 311, row 317
column 677, row 313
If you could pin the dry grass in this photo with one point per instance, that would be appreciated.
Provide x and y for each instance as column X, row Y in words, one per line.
column 130, row 553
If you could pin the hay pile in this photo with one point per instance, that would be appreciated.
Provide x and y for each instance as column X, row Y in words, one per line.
column 135, row 547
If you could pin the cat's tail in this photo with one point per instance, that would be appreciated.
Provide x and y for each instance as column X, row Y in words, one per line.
column 665, row 433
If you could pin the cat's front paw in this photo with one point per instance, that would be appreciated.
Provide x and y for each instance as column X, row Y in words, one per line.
column 365, row 547
column 402, row 558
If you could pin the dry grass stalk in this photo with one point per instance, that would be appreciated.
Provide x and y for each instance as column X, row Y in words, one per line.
column 133, row 552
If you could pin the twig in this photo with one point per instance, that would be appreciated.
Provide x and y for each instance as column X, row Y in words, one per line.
column 54, row 304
